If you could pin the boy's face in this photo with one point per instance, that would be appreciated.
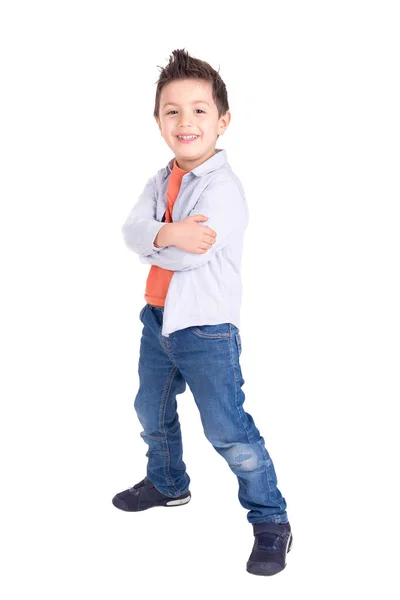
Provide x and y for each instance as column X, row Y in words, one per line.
column 187, row 108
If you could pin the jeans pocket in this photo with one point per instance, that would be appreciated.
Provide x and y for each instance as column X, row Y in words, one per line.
column 142, row 311
column 221, row 330
column 239, row 343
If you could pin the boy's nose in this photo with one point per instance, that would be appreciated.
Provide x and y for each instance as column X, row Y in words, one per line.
column 185, row 120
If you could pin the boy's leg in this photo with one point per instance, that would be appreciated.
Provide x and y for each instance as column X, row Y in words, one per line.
column 208, row 358
column 155, row 404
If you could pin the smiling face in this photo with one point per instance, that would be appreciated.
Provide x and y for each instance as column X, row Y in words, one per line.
column 188, row 108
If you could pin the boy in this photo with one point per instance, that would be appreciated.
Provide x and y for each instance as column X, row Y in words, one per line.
column 188, row 224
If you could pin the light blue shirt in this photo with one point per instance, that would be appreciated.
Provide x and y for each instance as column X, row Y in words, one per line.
column 206, row 289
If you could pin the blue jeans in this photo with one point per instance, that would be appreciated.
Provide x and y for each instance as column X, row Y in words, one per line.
column 206, row 357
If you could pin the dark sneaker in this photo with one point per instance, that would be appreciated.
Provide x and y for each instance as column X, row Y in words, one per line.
column 144, row 495
column 271, row 544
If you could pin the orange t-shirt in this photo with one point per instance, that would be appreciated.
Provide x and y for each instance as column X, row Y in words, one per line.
column 158, row 279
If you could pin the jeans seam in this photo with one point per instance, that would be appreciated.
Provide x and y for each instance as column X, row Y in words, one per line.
column 161, row 425
column 231, row 342
column 201, row 334
column 267, row 469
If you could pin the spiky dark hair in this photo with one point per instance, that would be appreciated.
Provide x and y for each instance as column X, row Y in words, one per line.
column 183, row 66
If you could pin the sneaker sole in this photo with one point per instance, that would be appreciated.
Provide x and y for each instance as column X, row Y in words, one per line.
column 178, row 502
column 164, row 503
column 168, row 504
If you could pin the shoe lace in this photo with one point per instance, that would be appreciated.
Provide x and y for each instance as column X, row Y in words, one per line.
column 137, row 485
column 267, row 540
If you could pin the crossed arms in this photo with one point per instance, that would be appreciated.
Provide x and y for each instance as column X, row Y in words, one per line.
column 223, row 204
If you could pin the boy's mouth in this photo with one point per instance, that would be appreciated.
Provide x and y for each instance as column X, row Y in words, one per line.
column 187, row 139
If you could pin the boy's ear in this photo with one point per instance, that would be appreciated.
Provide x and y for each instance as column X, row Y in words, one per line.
column 224, row 122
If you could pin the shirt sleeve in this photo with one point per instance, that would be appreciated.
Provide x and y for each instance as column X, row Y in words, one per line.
column 226, row 208
column 141, row 227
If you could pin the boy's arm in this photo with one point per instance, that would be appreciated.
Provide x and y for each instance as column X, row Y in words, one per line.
column 165, row 236
column 227, row 212
column 141, row 227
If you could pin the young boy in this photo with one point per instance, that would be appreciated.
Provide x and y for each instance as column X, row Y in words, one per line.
column 189, row 224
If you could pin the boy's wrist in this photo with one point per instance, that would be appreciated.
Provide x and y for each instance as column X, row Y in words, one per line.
column 165, row 236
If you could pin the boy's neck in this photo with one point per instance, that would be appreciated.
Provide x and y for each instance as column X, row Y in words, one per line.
column 186, row 164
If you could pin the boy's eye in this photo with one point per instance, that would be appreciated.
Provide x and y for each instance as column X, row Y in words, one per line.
column 171, row 111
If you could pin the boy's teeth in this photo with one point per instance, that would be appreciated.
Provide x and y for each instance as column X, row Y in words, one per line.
column 187, row 137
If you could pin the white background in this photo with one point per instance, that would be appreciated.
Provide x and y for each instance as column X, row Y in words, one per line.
column 314, row 95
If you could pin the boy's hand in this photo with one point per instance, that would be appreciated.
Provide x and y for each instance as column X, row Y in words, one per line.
column 187, row 235
column 190, row 236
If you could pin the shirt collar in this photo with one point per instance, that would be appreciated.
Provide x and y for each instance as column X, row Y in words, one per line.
column 215, row 161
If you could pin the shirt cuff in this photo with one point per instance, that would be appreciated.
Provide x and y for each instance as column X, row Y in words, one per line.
column 156, row 248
